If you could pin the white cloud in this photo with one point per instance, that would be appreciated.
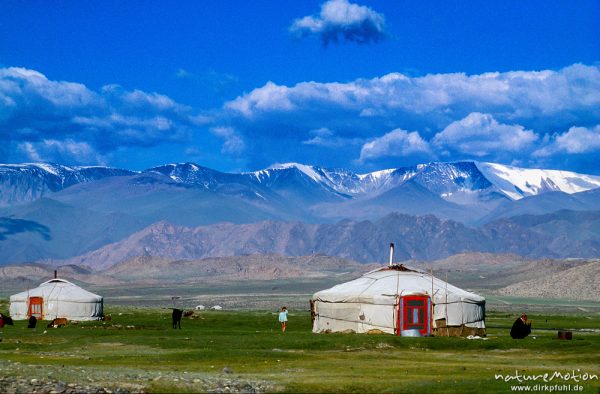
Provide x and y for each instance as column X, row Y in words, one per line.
column 270, row 97
column 396, row 143
column 153, row 101
column 66, row 151
column 234, row 144
column 514, row 111
column 19, row 86
column 340, row 20
column 326, row 138
column 577, row 140
column 481, row 135
column 571, row 93
column 46, row 119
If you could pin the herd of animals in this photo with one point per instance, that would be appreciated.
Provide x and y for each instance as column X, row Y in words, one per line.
column 520, row 329
column 63, row 322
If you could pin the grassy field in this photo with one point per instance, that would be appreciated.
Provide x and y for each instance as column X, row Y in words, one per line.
column 138, row 349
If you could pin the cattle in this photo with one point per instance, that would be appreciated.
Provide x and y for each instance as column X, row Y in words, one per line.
column 177, row 313
column 58, row 322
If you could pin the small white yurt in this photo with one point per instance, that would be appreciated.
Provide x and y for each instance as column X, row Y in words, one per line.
column 401, row 301
column 56, row 298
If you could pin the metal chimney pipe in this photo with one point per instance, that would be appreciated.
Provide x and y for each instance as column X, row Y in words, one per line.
column 54, row 274
column 391, row 254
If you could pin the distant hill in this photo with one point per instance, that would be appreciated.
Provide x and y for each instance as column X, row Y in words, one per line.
column 575, row 283
column 484, row 273
column 146, row 270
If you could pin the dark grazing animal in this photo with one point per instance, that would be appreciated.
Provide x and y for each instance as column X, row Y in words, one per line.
column 6, row 320
column 32, row 322
column 177, row 313
column 58, row 322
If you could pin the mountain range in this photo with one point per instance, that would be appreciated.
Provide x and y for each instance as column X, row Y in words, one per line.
column 50, row 211
column 558, row 235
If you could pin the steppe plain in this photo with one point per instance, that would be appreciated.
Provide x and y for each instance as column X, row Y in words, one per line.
column 242, row 349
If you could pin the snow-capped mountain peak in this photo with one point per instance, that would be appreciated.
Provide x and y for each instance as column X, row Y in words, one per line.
column 305, row 169
column 452, row 181
column 30, row 181
column 517, row 182
column 190, row 174
column 376, row 176
column 461, row 183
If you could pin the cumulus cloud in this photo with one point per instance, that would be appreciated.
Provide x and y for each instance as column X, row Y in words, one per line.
column 66, row 121
column 577, row 140
column 323, row 137
column 60, row 152
column 542, row 99
column 340, row 20
column 481, row 135
column 497, row 116
column 396, row 143
column 492, row 115
column 234, row 144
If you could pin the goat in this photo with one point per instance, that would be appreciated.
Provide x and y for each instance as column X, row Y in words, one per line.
column 58, row 322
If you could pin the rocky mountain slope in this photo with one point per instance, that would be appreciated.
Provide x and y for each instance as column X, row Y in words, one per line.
column 21, row 183
column 416, row 237
column 579, row 282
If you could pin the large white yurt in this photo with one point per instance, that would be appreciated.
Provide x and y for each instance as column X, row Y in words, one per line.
column 401, row 301
column 54, row 299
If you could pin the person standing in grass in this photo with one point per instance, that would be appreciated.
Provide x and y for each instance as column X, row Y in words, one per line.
column 283, row 318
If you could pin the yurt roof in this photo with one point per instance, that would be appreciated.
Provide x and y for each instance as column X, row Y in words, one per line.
column 58, row 290
column 383, row 285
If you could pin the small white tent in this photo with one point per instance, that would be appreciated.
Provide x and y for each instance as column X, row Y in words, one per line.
column 54, row 299
column 401, row 301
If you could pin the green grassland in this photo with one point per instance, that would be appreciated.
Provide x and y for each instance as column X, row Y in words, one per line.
column 140, row 350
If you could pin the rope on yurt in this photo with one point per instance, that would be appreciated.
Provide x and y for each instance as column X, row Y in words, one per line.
column 27, row 303
column 431, row 317
column 447, row 329
column 397, row 307
column 56, row 298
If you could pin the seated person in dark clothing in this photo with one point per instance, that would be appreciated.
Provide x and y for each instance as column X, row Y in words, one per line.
column 521, row 328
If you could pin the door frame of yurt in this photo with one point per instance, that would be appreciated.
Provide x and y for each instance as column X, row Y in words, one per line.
column 32, row 307
column 406, row 308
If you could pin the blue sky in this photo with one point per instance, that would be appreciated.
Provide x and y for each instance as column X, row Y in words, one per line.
column 239, row 86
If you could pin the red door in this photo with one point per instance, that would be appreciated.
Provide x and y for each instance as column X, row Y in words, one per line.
column 415, row 314
column 35, row 307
